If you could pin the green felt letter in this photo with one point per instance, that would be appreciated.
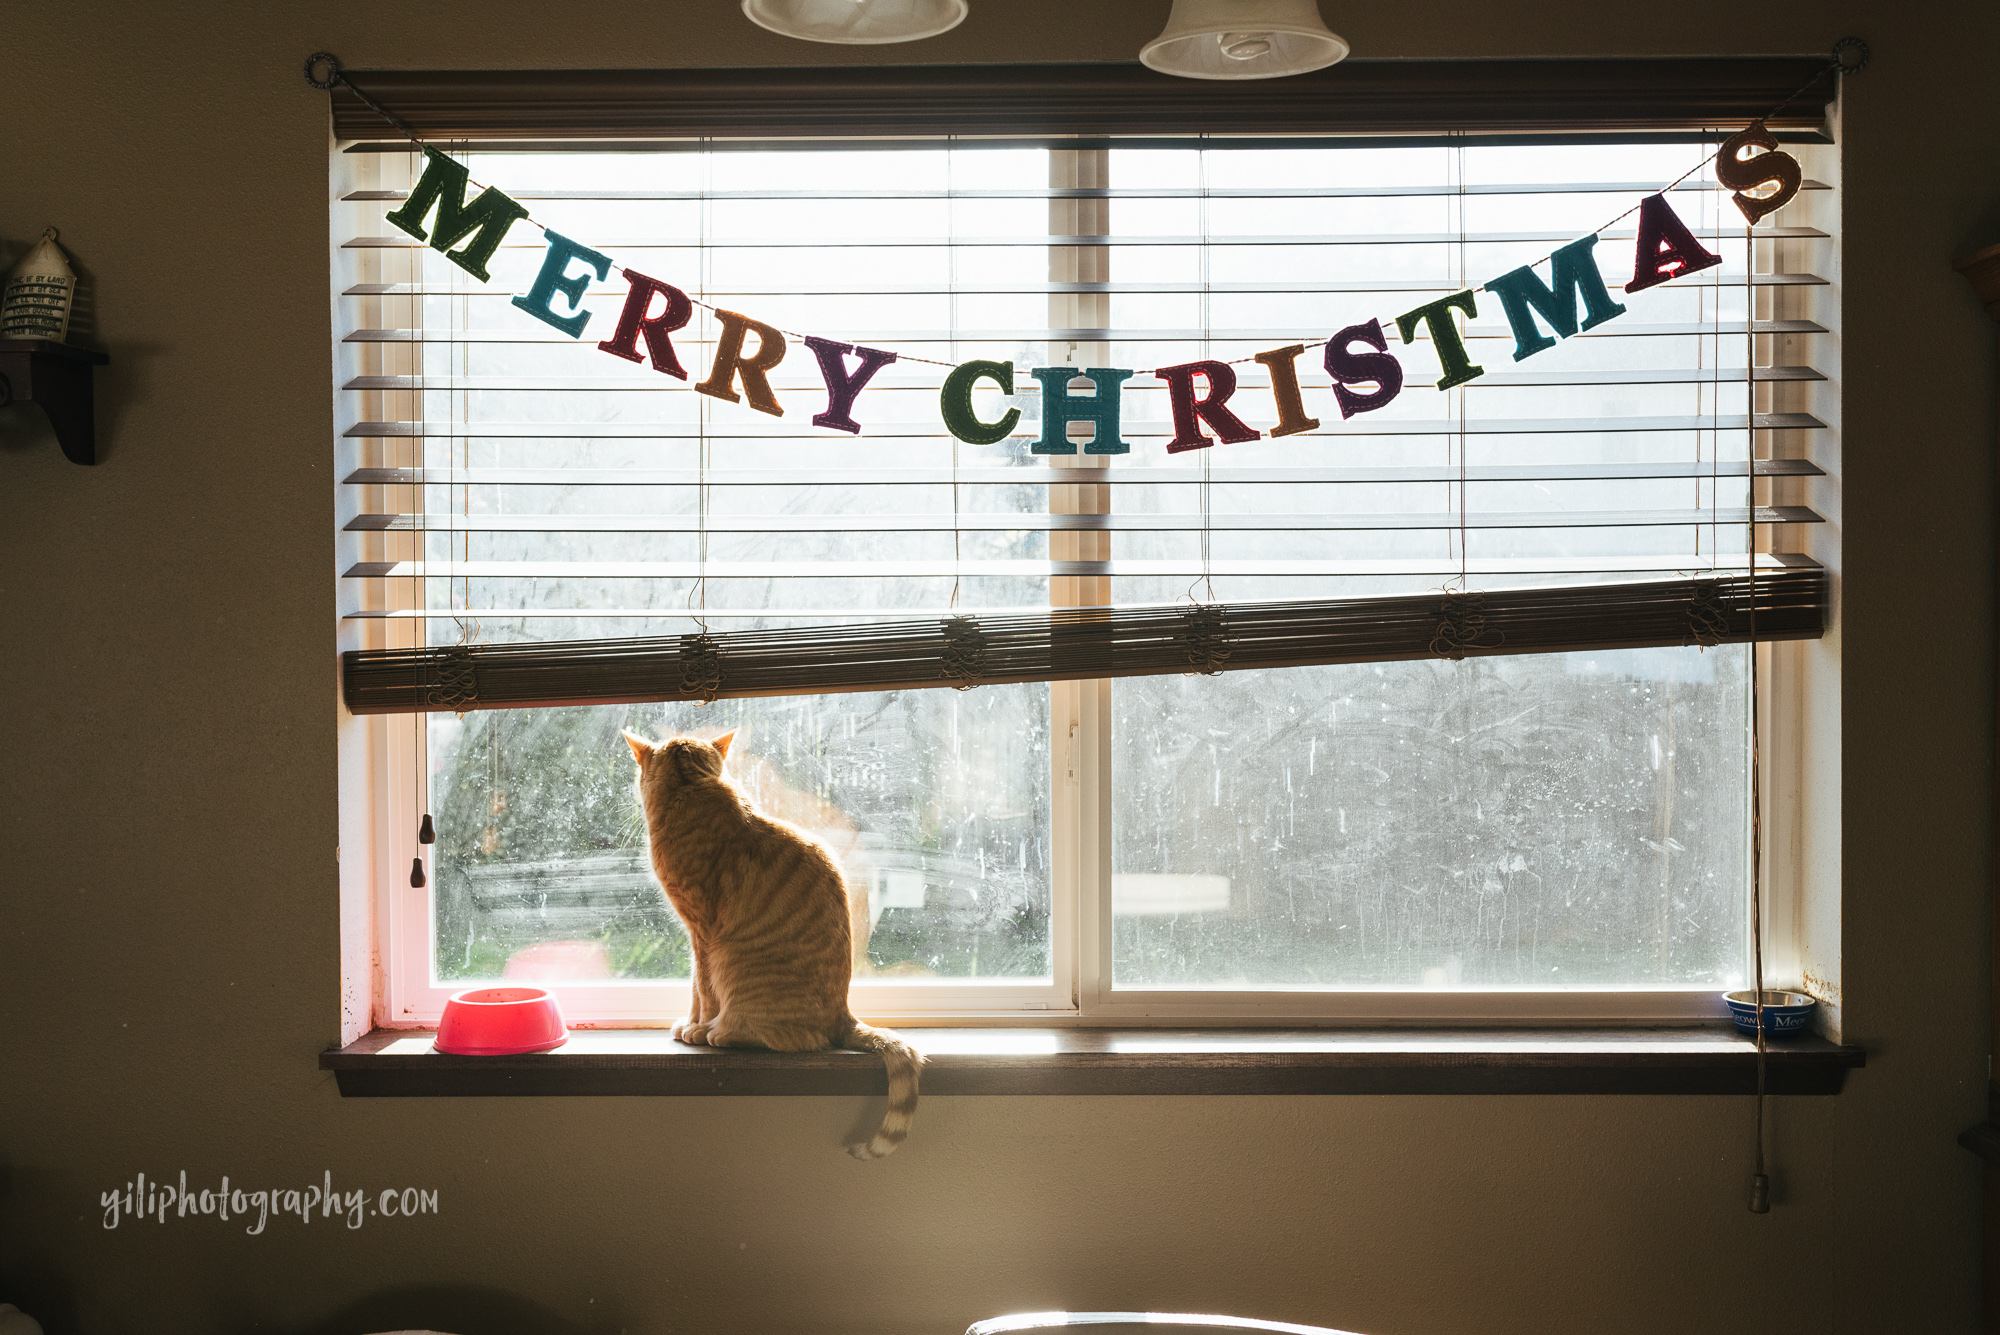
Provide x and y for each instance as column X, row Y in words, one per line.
column 955, row 403
column 1458, row 368
column 443, row 186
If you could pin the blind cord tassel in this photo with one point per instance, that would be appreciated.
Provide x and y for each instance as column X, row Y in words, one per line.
column 416, row 873
column 426, row 832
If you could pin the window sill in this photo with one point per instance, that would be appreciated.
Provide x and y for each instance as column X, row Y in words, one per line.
column 391, row 1063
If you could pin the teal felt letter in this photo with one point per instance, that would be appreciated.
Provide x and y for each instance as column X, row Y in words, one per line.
column 553, row 279
column 1574, row 271
column 1060, row 408
column 442, row 186
column 1458, row 367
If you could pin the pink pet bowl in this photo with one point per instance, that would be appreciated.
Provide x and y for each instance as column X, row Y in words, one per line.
column 500, row 1021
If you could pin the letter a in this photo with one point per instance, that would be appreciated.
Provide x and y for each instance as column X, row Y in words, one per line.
column 443, row 186
column 1666, row 248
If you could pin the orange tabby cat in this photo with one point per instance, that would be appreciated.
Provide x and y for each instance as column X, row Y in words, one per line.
column 767, row 914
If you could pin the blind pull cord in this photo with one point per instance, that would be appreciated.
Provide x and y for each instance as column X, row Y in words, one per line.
column 426, row 831
column 1760, row 1183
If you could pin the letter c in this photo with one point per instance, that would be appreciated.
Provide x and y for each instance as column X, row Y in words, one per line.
column 955, row 403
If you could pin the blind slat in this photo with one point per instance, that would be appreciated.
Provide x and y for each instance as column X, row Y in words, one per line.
column 1116, row 192
column 1616, row 329
column 1038, row 241
column 1359, row 426
column 1164, row 475
column 1441, row 566
column 1707, row 278
column 781, row 384
column 1031, row 522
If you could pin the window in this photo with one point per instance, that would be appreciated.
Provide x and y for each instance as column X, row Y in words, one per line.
column 1546, row 835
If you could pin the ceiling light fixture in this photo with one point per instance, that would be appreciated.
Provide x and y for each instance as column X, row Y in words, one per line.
column 856, row 22
column 1243, row 39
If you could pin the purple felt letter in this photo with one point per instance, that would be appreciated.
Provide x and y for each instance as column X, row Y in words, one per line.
column 842, row 388
column 1353, row 368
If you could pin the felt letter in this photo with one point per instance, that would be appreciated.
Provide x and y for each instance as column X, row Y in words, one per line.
column 1574, row 271
column 1292, row 417
column 1458, row 367
column 955, row 403
column 634, row 323
column 1221, row 378
column 555, row 278
column 1777, row 171
column 730, row 362
column 1379, row 368
column 1666, row 248
column 841, row 388
column 1060, row 408
column 443, row 186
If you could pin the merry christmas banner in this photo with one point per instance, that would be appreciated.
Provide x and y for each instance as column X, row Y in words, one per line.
column 1365, row 373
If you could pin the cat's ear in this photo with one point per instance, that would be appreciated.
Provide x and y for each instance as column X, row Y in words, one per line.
column 641, row 748
column 721, row 744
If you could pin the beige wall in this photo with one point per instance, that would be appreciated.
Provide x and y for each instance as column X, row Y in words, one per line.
column 167, row 807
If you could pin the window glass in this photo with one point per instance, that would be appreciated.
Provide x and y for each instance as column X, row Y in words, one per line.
column 1542, row 821
column 934, row 803
column 1533, row 821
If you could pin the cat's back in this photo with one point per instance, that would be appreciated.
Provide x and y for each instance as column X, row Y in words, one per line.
column 718, row 838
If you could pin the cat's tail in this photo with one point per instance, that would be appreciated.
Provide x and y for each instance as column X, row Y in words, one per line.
column 904, row 1063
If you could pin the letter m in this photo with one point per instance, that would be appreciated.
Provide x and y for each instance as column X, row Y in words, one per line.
column 1573, row 274
column 442, row 187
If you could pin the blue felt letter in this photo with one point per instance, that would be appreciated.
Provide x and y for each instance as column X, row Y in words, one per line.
column 552, row 279
column 1060, row 408
column 1574, row 271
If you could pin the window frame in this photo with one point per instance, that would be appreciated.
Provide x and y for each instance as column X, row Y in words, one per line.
column 396, row 929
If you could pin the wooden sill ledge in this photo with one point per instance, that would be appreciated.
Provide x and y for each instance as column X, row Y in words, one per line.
column 391, row 1063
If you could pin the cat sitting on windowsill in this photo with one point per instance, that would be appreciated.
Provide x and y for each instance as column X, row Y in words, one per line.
column 766, row 912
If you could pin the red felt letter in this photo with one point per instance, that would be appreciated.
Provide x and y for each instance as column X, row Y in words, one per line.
column 633, row 322
column 1666, row 248
column 1187, row 408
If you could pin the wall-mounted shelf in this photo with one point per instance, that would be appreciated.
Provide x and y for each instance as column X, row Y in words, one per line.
column 55, row 377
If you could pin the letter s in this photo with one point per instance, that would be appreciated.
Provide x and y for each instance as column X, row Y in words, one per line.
column 1350, row 368
column 1770, row 167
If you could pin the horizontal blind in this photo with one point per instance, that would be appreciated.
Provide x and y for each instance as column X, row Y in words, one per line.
column 966, row 651
column 513, row 486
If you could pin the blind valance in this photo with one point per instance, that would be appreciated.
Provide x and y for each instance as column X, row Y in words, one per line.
column 1356, row 97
